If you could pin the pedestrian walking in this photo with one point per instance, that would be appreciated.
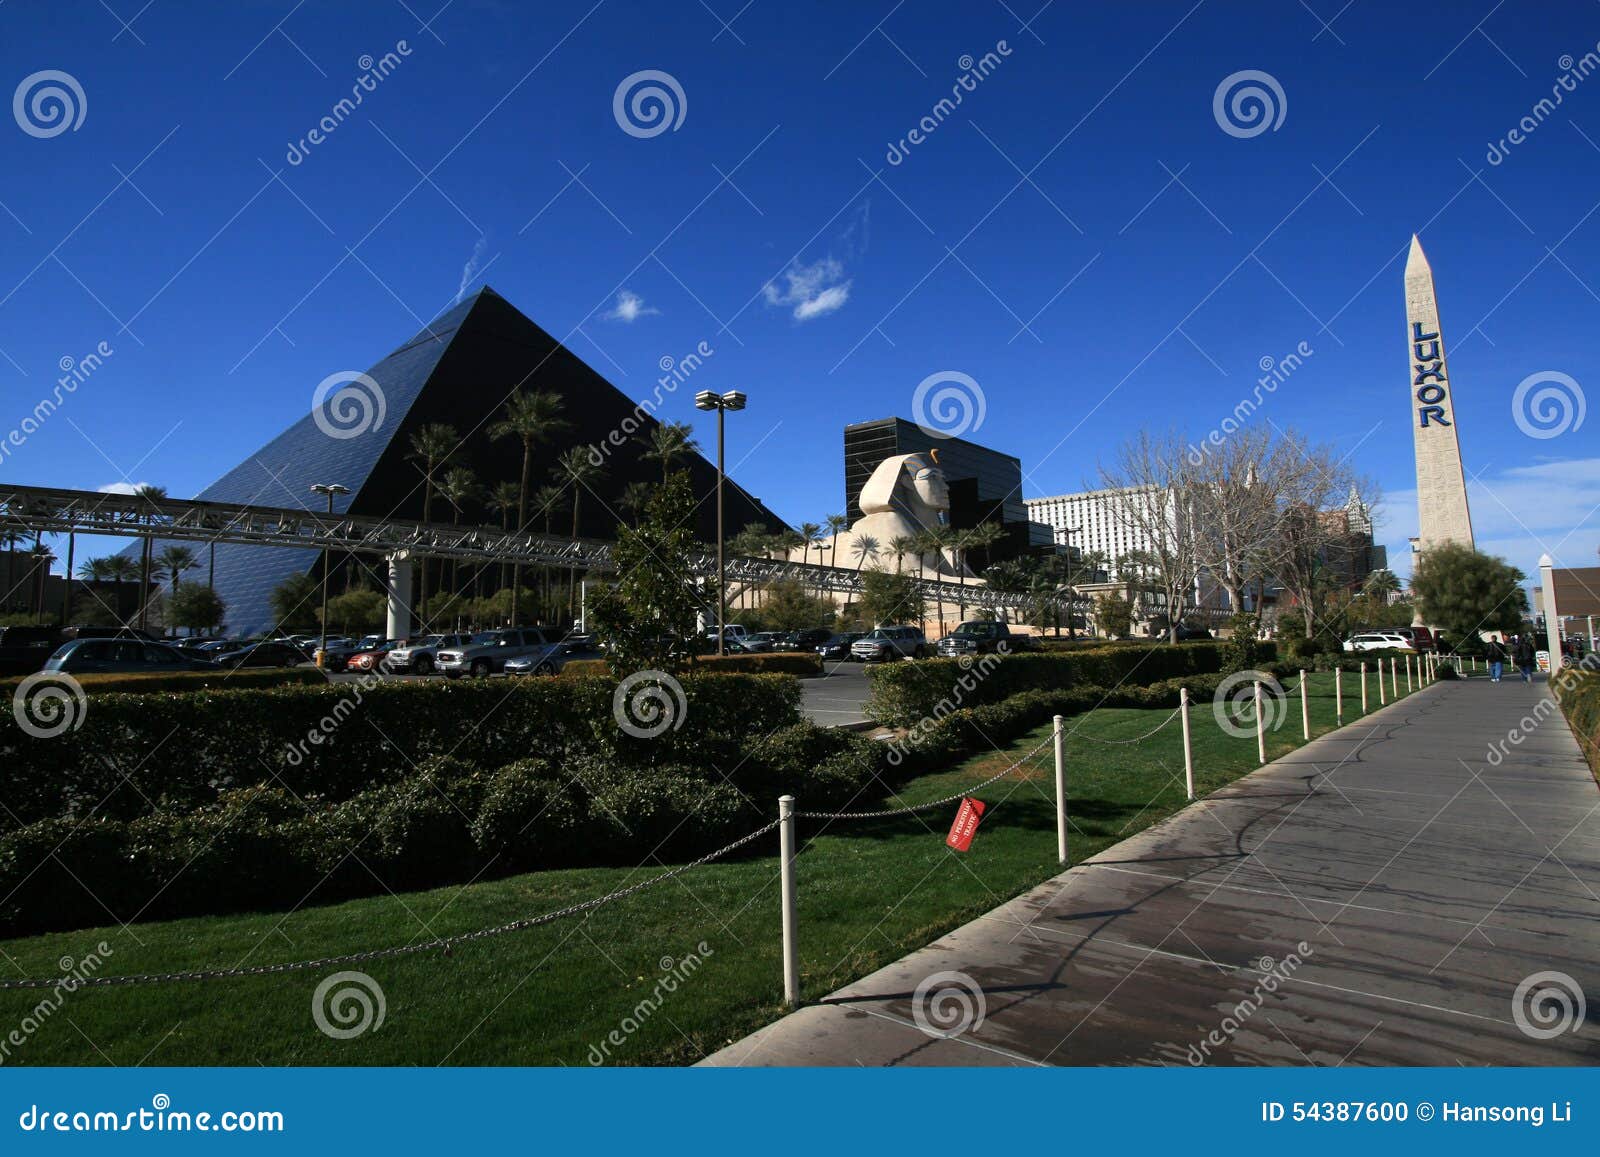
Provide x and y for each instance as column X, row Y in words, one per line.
column 1497, row 659
column 1523, row 653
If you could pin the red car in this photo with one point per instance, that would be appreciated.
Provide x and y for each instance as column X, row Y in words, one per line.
column 372, row 660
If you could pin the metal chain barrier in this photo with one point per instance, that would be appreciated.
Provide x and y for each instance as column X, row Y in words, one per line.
column 443, row 942
column 1126, row 742
column 938, row 803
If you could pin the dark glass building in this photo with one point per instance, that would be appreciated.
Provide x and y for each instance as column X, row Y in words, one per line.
column 985, row 485
column 458, row 371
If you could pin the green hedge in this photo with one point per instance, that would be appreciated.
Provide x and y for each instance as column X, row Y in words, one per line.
column 143, row 684
column 777, row 663
column 903, row 693
column 448, row 821
column 1579, row 695
column 182, row 751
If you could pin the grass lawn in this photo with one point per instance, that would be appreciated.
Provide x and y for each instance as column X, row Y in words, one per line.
column 869, row 892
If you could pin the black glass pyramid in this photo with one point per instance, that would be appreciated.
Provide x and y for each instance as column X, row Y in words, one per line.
column 458, row 370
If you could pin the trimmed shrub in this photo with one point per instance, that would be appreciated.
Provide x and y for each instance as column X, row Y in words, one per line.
column 531, row 818
column 145, row 684
column 801, row 663
column 1579, row 695
column 904, row 693
column 181, row 751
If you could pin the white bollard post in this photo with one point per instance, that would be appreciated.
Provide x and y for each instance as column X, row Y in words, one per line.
column 1381, row 696
column 1338, row 696
column 1188, row 749
column 1061, row 791
column 1363, row 687
column 1261, row 730
column 786, row 852
column 1394, row 678
column 1409, row 688
column 1305, row 707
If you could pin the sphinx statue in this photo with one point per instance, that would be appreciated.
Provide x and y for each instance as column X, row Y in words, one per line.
column 905, row 496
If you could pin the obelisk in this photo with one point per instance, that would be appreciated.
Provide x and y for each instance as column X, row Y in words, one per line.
column 1442, row 514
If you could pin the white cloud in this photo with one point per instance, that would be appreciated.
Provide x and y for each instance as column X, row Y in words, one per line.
column 120, row 487
column 1518, row 514
column 814, row 290
column 470, row 269
column 630, row 307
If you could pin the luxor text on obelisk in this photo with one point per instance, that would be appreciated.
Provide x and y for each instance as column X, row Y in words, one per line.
column 1442, row 514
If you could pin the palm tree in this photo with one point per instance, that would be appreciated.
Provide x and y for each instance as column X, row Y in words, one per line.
column 1381, row 584
column 503, row 501
column 900, row 546
column 635, row 496
column 579, row 467
column 42, row 556
column 431, row 445
column 531, row 418
column 153, row 494
column 864, row 547
column 809, row 532
column 175, row 560
column 667, row 443
column 548, row 501
column 458, row 487
column 837, row 524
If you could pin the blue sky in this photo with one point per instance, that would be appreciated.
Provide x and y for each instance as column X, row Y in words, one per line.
column 1080, row 236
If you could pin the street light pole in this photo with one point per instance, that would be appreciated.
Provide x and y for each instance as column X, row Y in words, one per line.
column 330, row 489
column 732, row 400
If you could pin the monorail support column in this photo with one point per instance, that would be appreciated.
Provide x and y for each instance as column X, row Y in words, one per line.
column 399, row 594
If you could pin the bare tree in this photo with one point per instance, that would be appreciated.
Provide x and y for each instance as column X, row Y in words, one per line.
column 1315, row 533
column 1238, row 496
column 1154, row 495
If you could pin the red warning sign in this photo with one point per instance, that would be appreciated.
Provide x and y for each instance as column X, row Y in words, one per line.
column 967, row 819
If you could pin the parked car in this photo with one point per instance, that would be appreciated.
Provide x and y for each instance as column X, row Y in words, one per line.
column 418, row 655
column 807, row 640
column 97, row 656
column 884, row 643
column 487, row 652
column 764, row 640
column 23, row 650
column 838, row 646
column 263, row 655
column 1422, row 638
column 979, row 637
column 729, row 631
column 552, row 659
column 374, row 658
column 1187, row 632
column 1378, row 641
column 336, row 652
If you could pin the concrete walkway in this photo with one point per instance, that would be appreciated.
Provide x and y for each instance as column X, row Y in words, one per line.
column 1425, row 883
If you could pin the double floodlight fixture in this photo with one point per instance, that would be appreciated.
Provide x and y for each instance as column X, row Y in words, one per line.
column 710, row 400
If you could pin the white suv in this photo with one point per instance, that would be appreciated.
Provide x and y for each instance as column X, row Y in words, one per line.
column 417, row 655
column 486, row 653
column 1378, row 641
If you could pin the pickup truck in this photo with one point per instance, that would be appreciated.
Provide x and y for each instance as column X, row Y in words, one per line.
column 982, row 637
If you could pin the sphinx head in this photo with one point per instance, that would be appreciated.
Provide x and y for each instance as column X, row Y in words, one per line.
column 911, row 485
